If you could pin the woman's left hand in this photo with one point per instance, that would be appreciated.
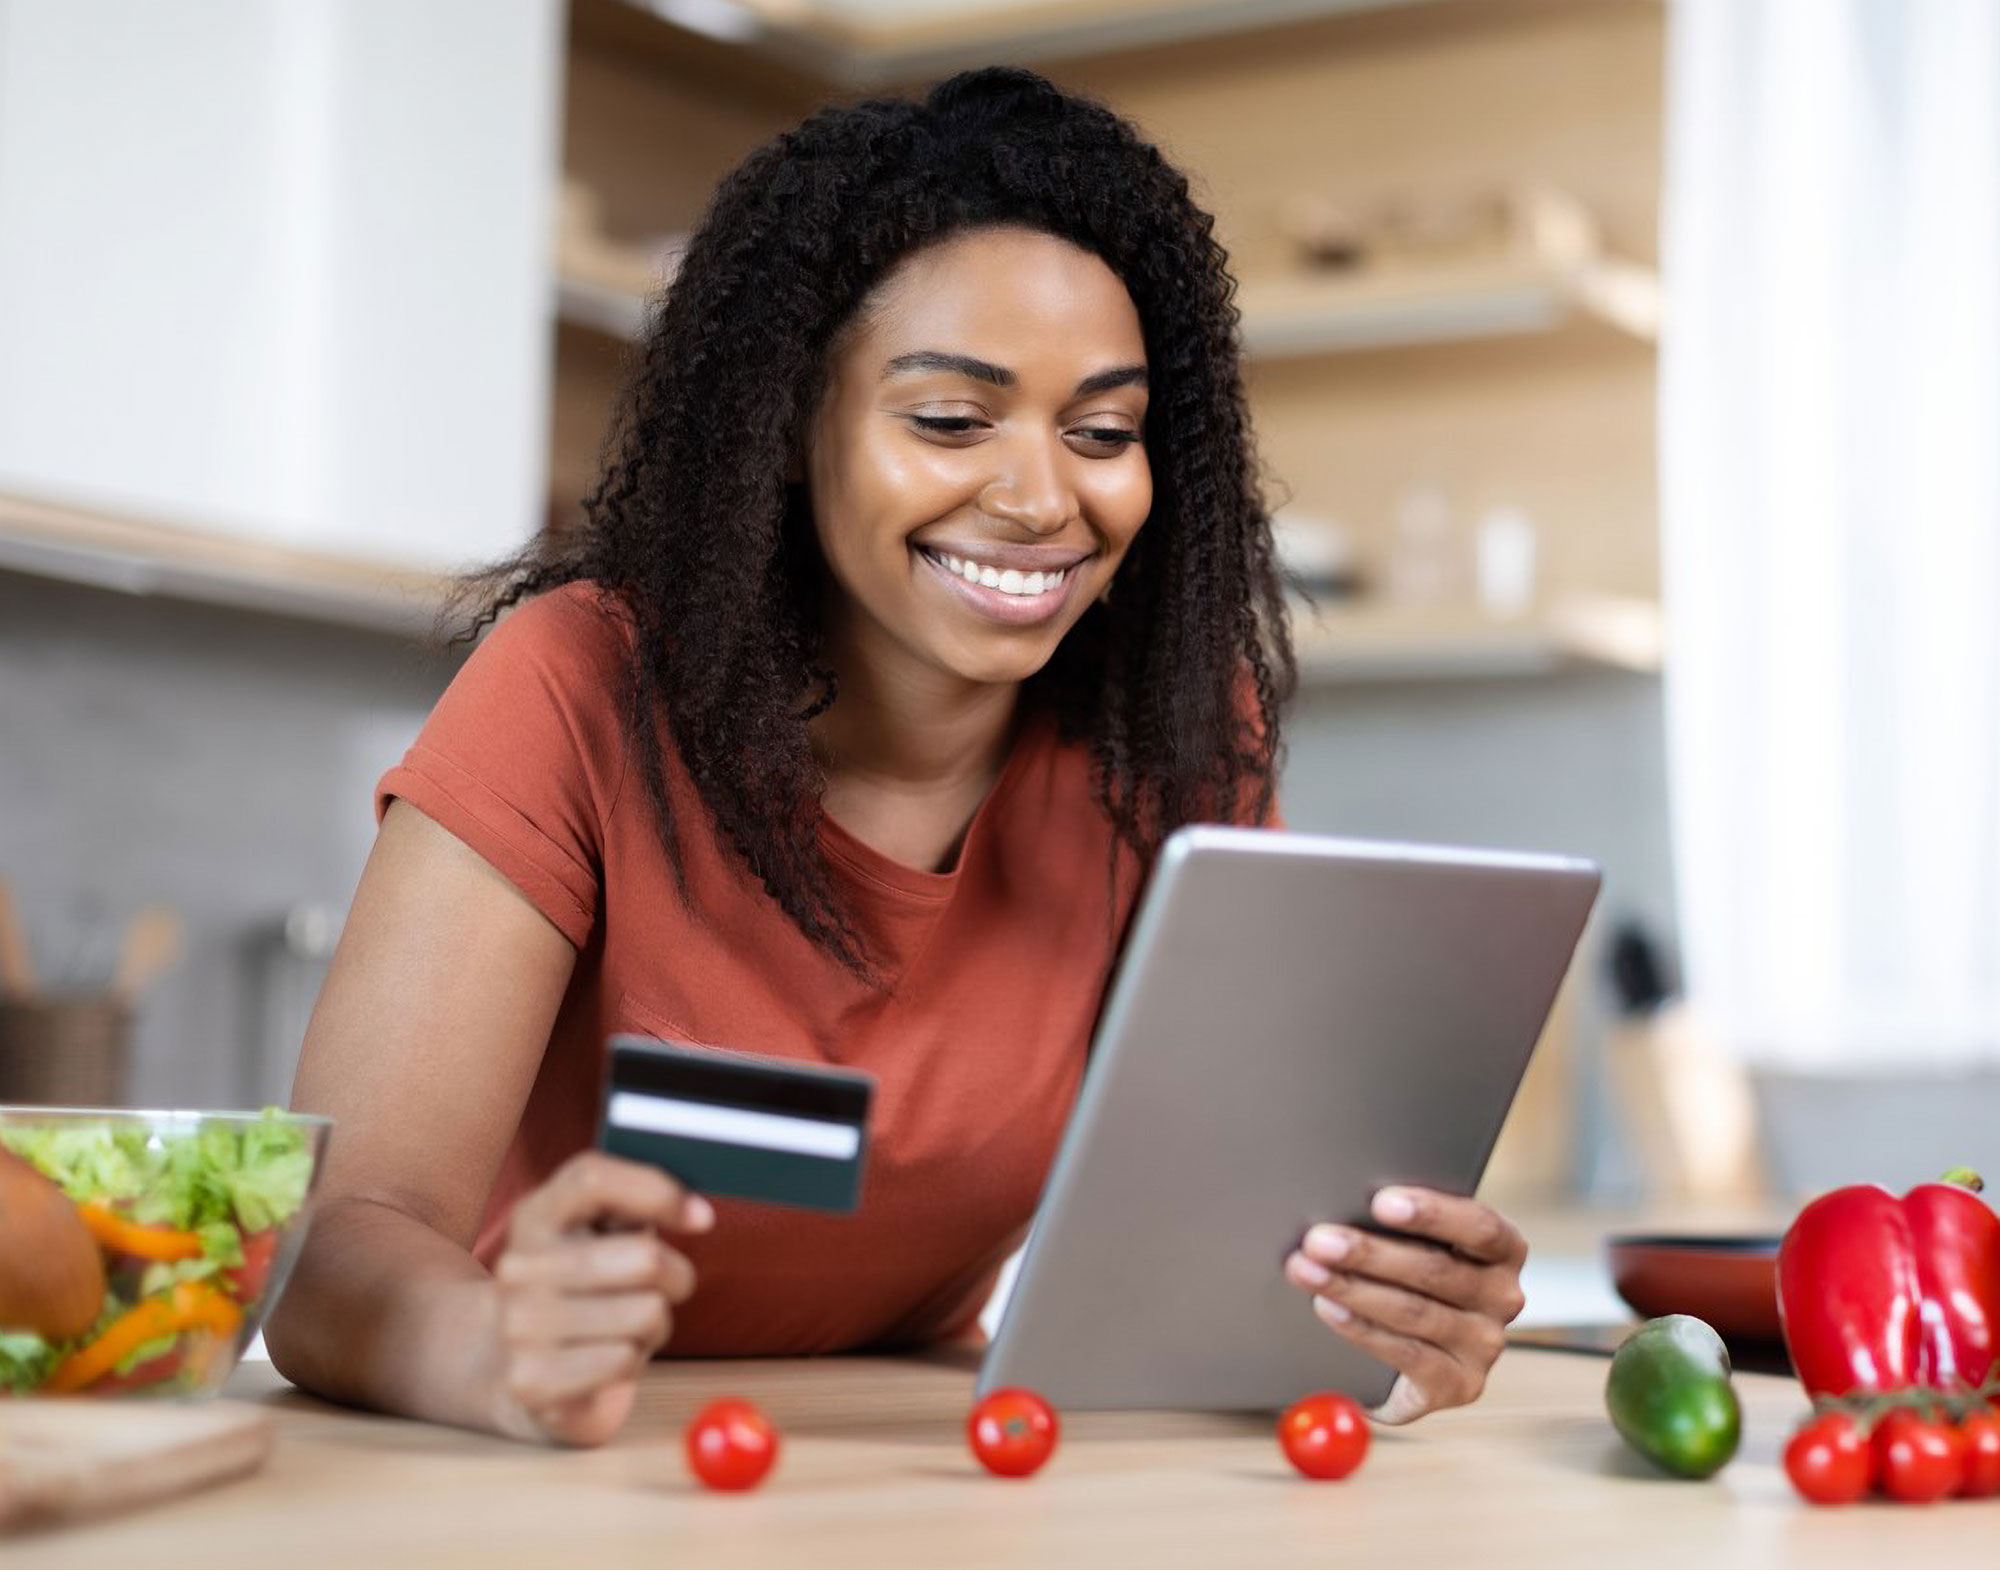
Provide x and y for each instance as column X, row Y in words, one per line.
column 1437, row 1315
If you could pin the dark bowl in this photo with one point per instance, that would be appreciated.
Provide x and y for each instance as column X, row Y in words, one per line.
column 1729, row 1282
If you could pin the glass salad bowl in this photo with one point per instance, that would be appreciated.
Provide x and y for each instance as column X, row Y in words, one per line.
column 140, row 1251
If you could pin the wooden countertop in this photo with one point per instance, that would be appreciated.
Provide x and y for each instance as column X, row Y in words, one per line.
column 875, row 1474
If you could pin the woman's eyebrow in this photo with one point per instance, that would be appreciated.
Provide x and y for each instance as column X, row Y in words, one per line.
column 921, row 360
column 1104, row 381
column 960, row 364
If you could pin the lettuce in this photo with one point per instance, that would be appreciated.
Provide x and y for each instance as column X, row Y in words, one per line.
column 273, row 1170
column 87, row 1160
column 25, row 1360
column 238, row 1173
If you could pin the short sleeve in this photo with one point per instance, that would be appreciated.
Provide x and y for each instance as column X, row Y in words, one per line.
column 524, row 756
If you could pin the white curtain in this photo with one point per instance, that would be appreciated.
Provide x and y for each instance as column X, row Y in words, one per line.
column 1830, row 464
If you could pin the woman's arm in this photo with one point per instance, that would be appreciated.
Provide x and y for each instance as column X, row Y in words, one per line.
column 423, row 1048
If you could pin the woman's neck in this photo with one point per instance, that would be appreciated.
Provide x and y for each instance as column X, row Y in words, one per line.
column 910, row 754
column 914, row 734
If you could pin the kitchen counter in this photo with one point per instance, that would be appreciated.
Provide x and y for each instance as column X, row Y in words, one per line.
column 875, row 1474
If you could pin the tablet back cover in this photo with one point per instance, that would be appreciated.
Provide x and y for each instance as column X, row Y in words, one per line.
column 1298, row 1021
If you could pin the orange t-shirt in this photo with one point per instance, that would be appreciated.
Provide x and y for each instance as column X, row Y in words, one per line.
column 998, row 968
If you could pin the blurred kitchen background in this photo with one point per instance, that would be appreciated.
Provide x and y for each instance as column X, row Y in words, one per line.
column 1628, row 372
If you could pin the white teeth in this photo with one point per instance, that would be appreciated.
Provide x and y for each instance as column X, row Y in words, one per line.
column 1008, row 581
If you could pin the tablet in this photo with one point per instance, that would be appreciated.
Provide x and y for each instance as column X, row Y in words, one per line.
column 1297, row 1021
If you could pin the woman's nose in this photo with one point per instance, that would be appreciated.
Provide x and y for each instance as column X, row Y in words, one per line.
column 1029, row 491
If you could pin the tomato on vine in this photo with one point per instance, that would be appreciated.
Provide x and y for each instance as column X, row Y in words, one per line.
column 1917, row 1460
column 1325, row 1436
column 1979, row 1465
column 731, row 1445
column 1012, row 1432
column 1827, row 1459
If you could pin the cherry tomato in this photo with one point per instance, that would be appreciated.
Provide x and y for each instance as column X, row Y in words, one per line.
column 1979, row 1464
column 731, row 1445
column 1827, row 1460
column 245, row 1282
column 1916, row 1460
column 1012, row 1432
column 1325, row 1435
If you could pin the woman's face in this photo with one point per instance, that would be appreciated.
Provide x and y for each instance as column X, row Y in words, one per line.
column 975, row 465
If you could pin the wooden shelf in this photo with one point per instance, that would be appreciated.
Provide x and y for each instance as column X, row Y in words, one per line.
column 603, row 285
column 1292, row 318
column 1288, row 318
column 606, row 309
column 149, row 557
column 859, row 46
column 1372, row 642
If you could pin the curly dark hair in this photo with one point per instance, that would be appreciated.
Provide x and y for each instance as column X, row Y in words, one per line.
column 1173, row 684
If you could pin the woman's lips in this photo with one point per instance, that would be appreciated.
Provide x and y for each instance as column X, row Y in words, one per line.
column 995, row 604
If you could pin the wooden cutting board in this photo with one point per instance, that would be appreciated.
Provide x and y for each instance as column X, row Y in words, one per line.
column 65, row 1460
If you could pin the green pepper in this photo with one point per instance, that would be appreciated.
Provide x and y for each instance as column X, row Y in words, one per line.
column 1669, row 1395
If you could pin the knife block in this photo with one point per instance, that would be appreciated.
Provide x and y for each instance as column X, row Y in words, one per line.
column 65, row 1051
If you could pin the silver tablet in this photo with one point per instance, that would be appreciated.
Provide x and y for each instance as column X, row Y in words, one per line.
column 1297, row 1021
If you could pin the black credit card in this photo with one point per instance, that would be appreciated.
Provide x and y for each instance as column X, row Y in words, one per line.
column 736, row 1126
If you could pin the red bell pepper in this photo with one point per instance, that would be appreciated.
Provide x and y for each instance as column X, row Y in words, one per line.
column 1884, row 1294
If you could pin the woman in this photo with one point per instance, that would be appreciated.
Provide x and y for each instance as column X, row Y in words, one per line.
column 927, row 589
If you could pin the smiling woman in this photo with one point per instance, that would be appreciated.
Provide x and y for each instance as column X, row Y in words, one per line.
column 926, row 590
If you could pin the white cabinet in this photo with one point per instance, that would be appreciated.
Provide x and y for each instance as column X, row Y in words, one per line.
column 279, row 272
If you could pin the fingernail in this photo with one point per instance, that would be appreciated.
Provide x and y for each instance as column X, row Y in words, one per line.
column 1328, row 1243
column 1333, row 1313
column 1308, row 1274
column 1392, row 1205
column 698, row 1213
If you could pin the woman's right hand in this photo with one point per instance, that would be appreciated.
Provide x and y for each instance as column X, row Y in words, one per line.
column 587, row 1287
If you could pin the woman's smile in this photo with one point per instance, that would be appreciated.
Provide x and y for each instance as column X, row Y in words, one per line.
column 1020, row 586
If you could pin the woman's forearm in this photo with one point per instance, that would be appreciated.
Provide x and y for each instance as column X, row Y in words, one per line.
column 382, row 1311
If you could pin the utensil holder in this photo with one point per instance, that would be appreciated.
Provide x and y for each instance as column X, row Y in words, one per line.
column 65, row 1052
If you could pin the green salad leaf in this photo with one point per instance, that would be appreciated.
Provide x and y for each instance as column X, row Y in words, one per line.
column 272, row 1172
column 146, row 1351
column 87, row 1160
column 242, row 1173
column 25, row 1360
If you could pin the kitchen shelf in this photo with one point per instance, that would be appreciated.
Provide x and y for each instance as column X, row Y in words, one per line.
column 142, row 556
column 603, row 285
column 864, row 46
column 1288, row 318
column 1372, row 642
column 605, row 290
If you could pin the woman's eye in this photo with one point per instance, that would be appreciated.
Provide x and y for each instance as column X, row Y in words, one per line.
column 1106, row 439
column 945, row 424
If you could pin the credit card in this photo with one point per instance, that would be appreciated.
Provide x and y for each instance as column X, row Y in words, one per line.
column 738, row 1127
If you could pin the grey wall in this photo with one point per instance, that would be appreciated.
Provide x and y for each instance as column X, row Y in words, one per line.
column 219, row 761
column 1573, row 763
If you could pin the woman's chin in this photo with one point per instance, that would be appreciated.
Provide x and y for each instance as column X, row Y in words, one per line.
column 1008, row 658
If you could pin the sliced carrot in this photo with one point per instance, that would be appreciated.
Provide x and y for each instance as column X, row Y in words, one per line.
column 191, row 1305
column 115, row 1233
